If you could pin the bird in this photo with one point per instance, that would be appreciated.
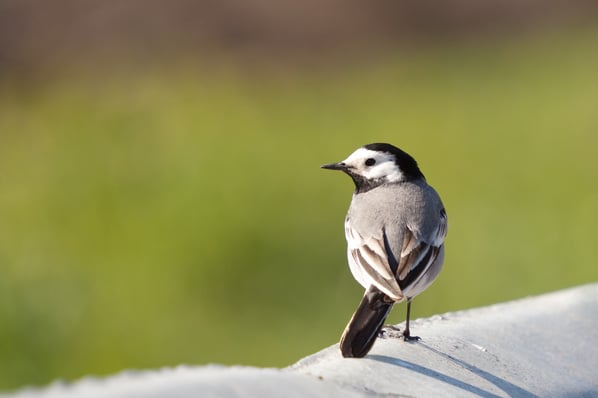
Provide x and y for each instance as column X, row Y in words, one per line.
column 395, row 230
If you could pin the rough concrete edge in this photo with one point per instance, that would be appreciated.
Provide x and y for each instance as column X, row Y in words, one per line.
column 189, row 381
column 317, row 356
column 296, row 371
column 542, row 308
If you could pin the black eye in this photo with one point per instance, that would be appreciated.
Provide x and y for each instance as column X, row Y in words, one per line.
column 370, row 162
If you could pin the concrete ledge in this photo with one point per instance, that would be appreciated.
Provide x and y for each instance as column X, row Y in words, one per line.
column 535, row 347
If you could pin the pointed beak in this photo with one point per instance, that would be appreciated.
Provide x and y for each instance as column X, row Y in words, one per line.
column 335, row 166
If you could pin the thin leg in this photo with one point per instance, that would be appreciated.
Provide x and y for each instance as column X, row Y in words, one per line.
column 407, row 333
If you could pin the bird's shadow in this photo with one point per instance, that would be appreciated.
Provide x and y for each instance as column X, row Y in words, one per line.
column 509, row 388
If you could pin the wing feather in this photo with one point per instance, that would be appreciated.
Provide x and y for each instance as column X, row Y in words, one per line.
column 418, row 253
column 394, row 272
column 376, row 261
column 372, row 258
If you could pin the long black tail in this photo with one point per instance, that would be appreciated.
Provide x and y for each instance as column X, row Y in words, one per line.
column 363, row 328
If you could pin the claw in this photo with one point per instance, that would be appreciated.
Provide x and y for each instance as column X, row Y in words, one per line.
column 408, row 337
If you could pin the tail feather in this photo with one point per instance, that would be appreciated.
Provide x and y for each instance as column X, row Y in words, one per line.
column 363, row 328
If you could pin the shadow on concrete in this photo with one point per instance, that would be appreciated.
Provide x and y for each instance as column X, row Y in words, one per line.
column 509, row 388
column 434, row 374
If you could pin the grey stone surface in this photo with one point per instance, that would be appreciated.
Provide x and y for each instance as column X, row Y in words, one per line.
column 194, row 381
column 543, row 346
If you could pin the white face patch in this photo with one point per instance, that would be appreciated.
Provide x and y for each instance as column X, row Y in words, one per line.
column 383, row 166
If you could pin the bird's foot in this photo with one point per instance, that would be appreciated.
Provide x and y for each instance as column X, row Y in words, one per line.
column 408, row 337
column 390, row 332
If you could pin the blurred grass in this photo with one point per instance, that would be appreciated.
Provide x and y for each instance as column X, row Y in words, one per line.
column 179, row 216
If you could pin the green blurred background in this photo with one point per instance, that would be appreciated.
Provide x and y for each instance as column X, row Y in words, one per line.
column 161, row 200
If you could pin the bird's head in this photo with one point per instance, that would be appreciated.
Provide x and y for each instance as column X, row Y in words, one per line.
column 377, row 164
